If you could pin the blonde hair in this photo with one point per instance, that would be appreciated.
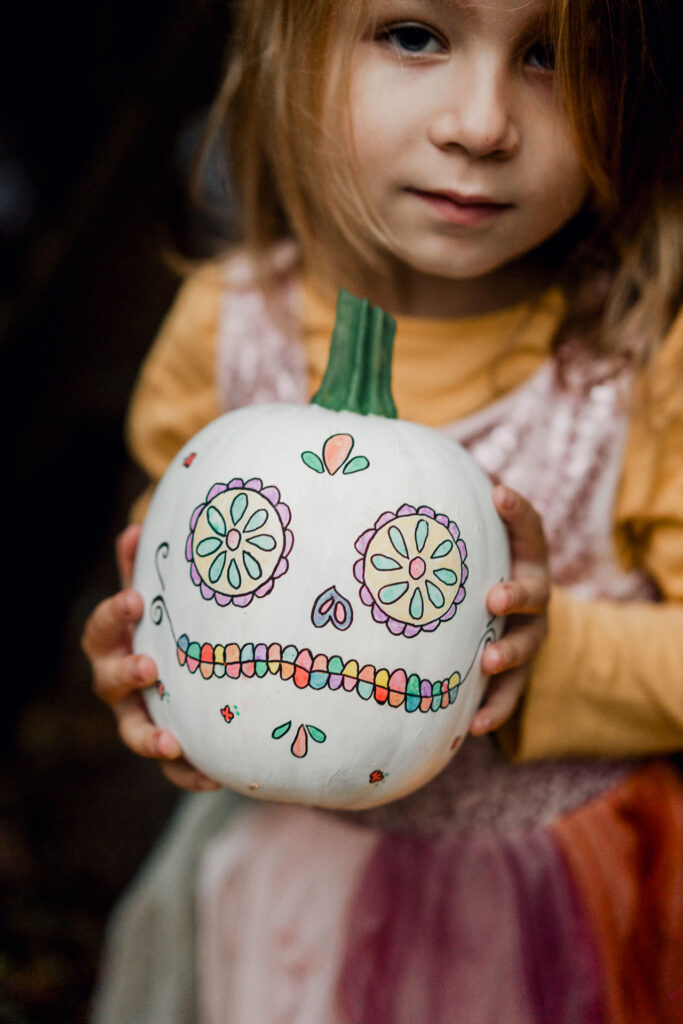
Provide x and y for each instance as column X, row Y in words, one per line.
column 621, row 261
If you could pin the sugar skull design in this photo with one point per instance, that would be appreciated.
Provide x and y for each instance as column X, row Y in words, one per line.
column 326, row 646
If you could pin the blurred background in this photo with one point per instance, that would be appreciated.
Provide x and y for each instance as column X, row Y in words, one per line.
column 102, row 107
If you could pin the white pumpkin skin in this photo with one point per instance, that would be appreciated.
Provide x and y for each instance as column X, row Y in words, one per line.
column 345, row 747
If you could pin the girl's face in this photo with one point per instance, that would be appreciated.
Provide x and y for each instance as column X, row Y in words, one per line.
column 462, row 148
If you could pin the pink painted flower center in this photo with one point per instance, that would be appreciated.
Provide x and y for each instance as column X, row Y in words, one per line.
column 417, row 568
column 233, row 539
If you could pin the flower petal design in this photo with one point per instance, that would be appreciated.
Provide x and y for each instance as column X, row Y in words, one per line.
column 230, row 561
column 413, row 569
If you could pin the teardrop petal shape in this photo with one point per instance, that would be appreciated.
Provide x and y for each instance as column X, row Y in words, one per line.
column 392, row 593
column 444, row 548
column 313, row 461
column 281, row 730
column 234, row 575
column 384, row 563
column 256, row 521
column 356, row 465
column 396, row 538
column 264, row 542
column 217, row 566
column 416, row 604
column 216, row 521
column 316, row 734
column 421, row 533
column 238, row 507
column 446, row 576
column 300, row 745
column 336, row 451
column 251, row 565
column 435, row 595
column 208, row 546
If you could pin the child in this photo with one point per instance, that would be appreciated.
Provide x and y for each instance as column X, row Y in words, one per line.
column 504, row 179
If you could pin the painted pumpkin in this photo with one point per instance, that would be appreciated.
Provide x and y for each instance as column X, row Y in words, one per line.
column 315, row 582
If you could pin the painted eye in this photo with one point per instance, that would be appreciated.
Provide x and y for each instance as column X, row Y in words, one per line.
column 413, row 569
column 238, row 542
column 412, row 38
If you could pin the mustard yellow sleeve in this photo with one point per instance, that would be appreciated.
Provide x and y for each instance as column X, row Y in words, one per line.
column 608, row 681
column 175, row 394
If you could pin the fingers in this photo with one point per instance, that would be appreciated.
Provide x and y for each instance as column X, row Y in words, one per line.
column 139, row 733
column 501, row 700
column 527, row 596
column 108, row 627
column 126, row 549
column 525, row 527
column 518, row 646
column 116, row 677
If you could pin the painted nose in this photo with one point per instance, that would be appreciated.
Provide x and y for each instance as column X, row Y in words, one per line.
column 476, row 117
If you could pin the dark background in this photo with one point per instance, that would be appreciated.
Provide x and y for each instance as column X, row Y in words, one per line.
column 101, row 107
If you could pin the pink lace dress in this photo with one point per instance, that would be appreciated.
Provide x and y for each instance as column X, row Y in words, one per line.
column 456, row 902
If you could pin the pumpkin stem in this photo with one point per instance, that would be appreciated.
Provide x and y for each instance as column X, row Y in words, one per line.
column 358, row 375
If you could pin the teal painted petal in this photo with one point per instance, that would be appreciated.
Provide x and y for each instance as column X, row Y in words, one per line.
column 435, row 595
column 356, row 464
column 446, row 576
column 208, row 546
column 416, row 604
column 383, row 563
column 316, row 734
column 217, row 566
column 421, row 533
column 396, row 538
column 234, row 575
column 281, row 730
column 252, row 566
column 388, row 595
column 216, row 521
column 264, row 542
column 238, row 508
column 256, row 521
column 313, row 461
column 444, row 548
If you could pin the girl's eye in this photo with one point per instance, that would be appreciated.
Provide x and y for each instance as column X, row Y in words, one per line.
column 541, row 56
column 412, row 38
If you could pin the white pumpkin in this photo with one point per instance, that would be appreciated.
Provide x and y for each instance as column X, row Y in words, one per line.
column 315, row 584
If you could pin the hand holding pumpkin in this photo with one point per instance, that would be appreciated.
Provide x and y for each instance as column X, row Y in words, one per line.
column 524, row 600
column 119, row 676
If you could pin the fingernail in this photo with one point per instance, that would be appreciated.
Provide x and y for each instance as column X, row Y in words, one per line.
column 481, row 723
column 123, row 604
column 167, row 745
column 508, row 499
column 508, row 597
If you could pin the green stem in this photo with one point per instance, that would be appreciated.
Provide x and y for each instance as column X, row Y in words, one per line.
column 358, row 375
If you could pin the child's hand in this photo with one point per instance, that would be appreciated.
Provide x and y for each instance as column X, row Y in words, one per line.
column 524, row 599
column 119, row 675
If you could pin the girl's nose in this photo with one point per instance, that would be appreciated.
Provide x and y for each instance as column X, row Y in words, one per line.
column 477, row 116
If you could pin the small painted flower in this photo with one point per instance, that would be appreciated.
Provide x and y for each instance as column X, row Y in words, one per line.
column 238, row 542
column 413, row 569
column 376, row 776
column 227, row 713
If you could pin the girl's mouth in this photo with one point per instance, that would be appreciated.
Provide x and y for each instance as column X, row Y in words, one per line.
column 466, row 211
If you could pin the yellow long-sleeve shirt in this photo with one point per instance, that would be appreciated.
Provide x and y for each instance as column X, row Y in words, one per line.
column 609, row 678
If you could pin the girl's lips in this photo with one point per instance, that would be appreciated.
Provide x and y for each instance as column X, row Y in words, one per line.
column 468, row 211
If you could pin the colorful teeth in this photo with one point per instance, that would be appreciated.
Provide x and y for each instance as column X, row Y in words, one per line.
column 393, row 688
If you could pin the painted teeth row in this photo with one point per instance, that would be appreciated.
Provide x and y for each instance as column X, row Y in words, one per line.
column 397, row 688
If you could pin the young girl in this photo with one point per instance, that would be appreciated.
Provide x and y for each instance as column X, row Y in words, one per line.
column 504, row 179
